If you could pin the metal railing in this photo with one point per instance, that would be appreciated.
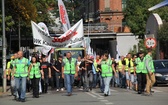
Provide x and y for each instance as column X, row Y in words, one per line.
column 93, row 28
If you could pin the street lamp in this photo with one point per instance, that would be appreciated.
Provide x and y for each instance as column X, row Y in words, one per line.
column 4, row 44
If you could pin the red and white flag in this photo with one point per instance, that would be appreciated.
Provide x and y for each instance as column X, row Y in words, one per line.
column 73, row 37
column 63, row 16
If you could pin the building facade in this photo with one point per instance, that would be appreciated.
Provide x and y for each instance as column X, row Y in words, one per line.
column 108, row 13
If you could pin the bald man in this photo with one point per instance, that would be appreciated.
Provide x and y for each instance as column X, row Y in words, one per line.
column 20, row 74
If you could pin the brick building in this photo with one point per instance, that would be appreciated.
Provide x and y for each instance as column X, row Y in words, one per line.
column 107, row 12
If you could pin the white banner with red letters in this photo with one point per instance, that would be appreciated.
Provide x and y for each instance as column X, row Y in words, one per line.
column 73, row 37
column 63, row 16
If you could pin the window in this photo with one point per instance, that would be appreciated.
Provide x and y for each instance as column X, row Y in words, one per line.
column 124, row 4
column 107, row 3
column 161, row 64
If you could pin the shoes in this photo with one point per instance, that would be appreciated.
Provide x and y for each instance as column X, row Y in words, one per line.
column 105, row 95
column 80, row 88
column 62, row 89
column 17, row 99
column 22, row 100
column 139, row 92
column 36, row 96
column 57, row 90
column 152, row 91
column 69, row 94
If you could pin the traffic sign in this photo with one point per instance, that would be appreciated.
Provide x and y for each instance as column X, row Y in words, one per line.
column 150, row 42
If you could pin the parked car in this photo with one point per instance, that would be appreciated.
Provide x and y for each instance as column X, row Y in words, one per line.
column 161, row 71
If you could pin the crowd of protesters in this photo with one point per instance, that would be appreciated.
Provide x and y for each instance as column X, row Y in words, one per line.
column 131, row 72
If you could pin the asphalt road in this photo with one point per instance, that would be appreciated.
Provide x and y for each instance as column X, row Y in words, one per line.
column 119, row 97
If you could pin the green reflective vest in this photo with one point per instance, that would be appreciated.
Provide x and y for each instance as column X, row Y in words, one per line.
column 95, row 65
column 21, row 67
column 131, row 64
column 150, row 63
column 69, row 67
column 35, row 70
column 140, row 68
column 13, row 62
column 8, row 68
column 106, row 67
column 120, row 65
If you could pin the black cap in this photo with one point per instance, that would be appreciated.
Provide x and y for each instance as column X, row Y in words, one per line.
column 140, row 52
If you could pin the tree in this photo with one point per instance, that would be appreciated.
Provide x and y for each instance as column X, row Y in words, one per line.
column 163, row 33
column 23, row 10
column 8, row 20
column 136, row 14
column 43, row 7
column 163, row 39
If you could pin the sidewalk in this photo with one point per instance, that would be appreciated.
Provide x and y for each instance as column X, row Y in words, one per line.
column 2, row 94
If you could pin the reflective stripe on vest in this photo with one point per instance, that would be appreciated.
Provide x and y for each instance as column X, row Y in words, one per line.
column 106, row 68
column 35, row 70
column 21, row 68
column 69, row 68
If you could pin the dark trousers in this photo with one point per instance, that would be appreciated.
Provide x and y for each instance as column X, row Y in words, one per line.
column 35, row 86
column 141, row 78
column 80, row 83
column 59, row 80
column 44, row 84
column 52, row 81
column 122, row 79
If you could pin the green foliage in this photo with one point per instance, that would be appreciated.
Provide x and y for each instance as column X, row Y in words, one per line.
column 42, row 7
column 23, row 10
column 136, row 14
column 9, row 23
column 163, row 33
column 142, row 46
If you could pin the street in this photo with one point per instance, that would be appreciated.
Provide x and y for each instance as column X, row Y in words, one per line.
column 119, row 97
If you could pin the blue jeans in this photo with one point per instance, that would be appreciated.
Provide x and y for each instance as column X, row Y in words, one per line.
column 117, row 79
column 89, row 80
column 84, row 79
column 101, row 82
column 107, row 85
column 94, row 80
column 69, row 82
column 13, row 87
column 20, row 83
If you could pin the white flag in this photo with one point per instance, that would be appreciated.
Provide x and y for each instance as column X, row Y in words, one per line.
column 73, row 37
column 63, row 16
column 89, row 50
column 109, row 56
column 44, row 27
column 94, row 54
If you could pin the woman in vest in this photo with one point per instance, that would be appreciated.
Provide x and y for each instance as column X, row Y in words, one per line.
column 35, row 75
column 107, row 69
